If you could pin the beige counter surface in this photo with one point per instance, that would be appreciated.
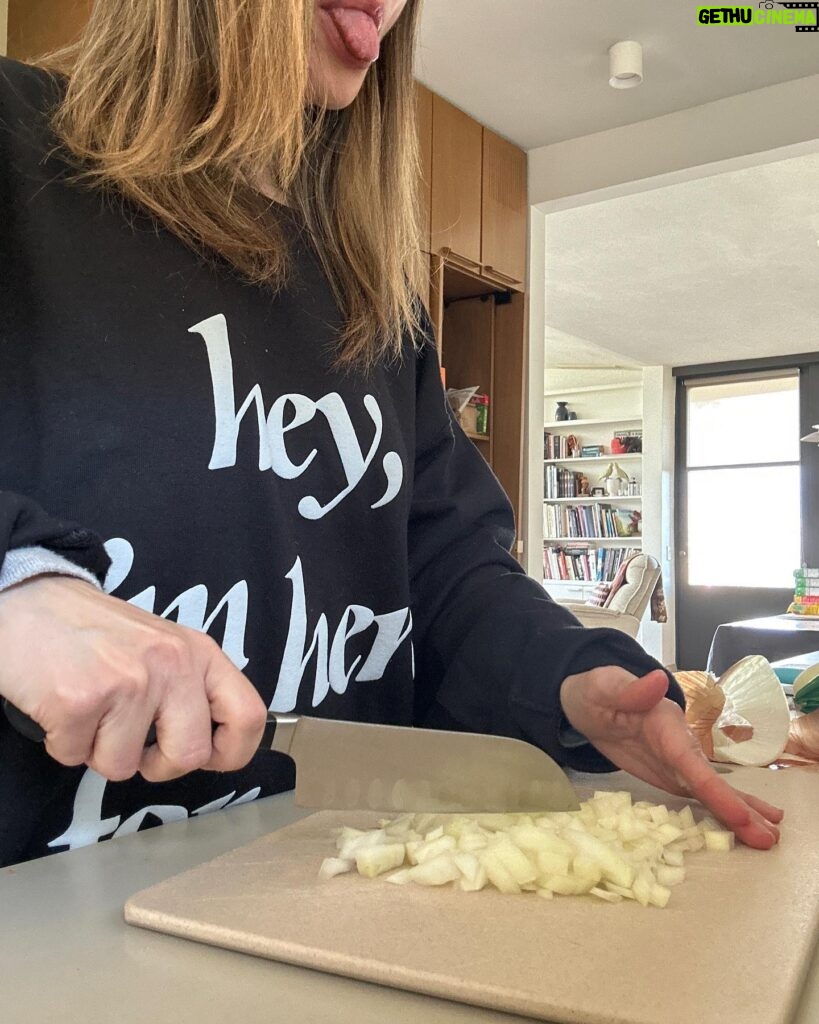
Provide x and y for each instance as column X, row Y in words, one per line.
column 66, row 954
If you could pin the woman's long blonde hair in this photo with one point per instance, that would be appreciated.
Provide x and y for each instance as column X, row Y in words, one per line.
column 185, row 106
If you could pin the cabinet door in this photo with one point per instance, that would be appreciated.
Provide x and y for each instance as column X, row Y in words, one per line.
column 457, row 143
column 508, row 378
column 504, row 211
column 467, row 353
column 423, row 123
column 37, row 26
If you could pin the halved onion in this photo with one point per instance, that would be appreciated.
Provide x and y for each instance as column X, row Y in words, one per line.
column 753, row 697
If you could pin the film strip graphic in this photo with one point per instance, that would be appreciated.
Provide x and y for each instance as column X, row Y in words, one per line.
column 801, row 7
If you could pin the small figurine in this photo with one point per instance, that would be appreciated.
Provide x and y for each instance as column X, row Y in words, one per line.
column 584, row 486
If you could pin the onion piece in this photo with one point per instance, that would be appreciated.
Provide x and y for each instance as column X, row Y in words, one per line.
column 332, row 866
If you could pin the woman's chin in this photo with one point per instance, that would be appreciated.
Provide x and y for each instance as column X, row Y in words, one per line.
column 335, row 91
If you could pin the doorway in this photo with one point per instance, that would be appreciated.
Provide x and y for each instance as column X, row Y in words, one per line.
column 738, row 501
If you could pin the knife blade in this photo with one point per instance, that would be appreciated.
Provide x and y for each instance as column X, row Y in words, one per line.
column 359, row 765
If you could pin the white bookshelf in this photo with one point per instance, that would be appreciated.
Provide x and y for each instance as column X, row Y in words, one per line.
column 577, row 459
column 569, row 590
column 594, row 499
column 605, row 401
column 600, row 410
column 635, row 541
column 616, row 422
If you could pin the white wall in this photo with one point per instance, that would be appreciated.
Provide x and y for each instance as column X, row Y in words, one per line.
column 533, row 460
column 658, row 500
column 4, row 16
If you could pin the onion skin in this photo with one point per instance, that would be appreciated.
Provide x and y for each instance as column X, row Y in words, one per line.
column 803, row 737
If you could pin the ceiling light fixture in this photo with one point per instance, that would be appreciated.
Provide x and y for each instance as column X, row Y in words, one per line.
column 625, row 65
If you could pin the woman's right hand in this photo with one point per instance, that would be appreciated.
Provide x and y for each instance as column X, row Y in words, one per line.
column 96, row 672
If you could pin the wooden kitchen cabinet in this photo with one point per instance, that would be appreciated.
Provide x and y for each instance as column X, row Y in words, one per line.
column 504, row 206
column 457, row 154
column 479, row 202
column 478, row 225
column 37, row 26
column 481, row 332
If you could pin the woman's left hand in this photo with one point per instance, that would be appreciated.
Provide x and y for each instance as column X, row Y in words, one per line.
column 632, row 723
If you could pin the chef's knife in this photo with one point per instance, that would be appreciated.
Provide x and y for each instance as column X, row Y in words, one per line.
column 346, row 765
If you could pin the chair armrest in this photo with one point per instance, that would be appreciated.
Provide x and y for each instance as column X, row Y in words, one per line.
column 591, row 616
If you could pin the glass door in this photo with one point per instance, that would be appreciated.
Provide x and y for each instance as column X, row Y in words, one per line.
column 739, row 534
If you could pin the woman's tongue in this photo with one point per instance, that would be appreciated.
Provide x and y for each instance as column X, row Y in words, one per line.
column 358, row 32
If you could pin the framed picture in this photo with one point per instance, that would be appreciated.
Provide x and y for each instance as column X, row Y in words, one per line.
column 598, row 492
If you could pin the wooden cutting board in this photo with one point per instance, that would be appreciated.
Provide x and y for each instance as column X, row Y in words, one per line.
column 732, row 946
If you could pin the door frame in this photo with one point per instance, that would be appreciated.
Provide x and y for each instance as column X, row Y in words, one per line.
column 750, row 602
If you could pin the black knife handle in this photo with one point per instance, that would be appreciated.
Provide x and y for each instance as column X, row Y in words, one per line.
column 27, row 727
column 22, row 723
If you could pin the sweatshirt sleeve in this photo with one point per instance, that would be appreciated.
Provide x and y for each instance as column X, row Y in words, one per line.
column 492, row 648
column 25, row 525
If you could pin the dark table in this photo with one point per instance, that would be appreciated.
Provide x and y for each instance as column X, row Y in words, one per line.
column 774, row 637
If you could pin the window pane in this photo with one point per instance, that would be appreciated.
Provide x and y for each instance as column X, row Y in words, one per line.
column 743, row 421
column 743, row 527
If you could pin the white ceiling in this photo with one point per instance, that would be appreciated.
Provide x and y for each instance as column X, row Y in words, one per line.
column 725, row 267
column 536, row 71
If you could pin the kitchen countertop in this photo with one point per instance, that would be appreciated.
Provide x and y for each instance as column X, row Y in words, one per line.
column 67, row 955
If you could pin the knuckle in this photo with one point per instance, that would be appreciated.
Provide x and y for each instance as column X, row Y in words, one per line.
column 116, row 772
column 192, row 758
column 68, row 758
column 208, row 646
column 74, row 703
column 170, row 652
column 252, row 716
column 113, row 768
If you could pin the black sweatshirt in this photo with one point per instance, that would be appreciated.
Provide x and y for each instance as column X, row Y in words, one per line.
column 336, row 533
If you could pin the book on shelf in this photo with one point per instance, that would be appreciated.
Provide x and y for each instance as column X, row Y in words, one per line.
column 582, row 562
column 559, row 482
column 555, row 446
column 580, row 521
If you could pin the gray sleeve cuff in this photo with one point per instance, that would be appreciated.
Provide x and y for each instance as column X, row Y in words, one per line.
column 569, row 737
column 23, row 564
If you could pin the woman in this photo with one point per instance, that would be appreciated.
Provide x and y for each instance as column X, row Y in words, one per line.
column 211, row 360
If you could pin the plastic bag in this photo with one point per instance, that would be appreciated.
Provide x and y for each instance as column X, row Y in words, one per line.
column 458, row 398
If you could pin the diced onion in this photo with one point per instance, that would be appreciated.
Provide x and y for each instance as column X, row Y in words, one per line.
column 610, row 849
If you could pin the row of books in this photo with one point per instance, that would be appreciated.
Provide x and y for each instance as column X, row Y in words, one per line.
column 561, row 483
column 556, row 446
column 588, row 521
column 583, row 563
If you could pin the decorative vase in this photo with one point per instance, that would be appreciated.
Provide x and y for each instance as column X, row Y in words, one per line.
column 613, row 486
column 561, row 412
